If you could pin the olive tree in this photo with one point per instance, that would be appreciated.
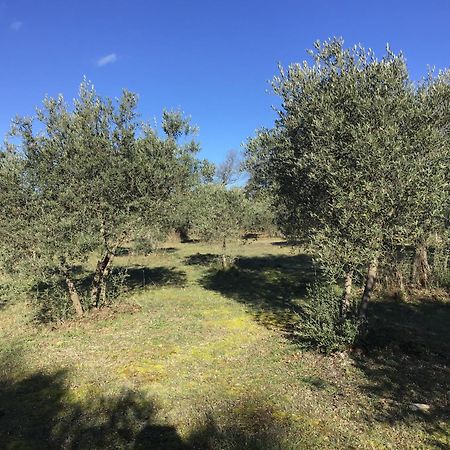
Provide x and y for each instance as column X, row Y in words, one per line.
column 218, row 214
column 344, row 154
column 92, row 176
column 425, row 191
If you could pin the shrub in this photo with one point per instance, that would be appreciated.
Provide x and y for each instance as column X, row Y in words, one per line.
column 12, row 291
column 322, row 327
column 117, row 286
column 51, row 303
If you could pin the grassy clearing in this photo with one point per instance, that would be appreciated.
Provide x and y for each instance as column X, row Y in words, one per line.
column 198, row 358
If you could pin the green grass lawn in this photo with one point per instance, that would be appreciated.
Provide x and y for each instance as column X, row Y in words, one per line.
column 194, row 357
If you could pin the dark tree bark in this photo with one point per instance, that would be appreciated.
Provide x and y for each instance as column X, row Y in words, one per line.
column 98, row 290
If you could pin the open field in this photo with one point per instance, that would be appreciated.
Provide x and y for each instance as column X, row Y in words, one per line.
column 194, row 357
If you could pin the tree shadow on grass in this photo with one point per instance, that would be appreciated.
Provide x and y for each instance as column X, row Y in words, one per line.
column 406, row 353
column 407, row 361
column 286, row 243
column 51, row 302
column 201, row 259
column 271, row 286
column 40, row 410
column 140, row 277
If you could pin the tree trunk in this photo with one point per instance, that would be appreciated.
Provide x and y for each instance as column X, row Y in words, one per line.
column 368, row 288
column 73, row 294
column 98, row 291
column 421, row 270
column 224, row 254
column 445, row 263
column 347, row 293
column 400, row 284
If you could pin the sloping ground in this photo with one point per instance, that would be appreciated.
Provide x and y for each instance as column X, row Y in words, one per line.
column 198, row 358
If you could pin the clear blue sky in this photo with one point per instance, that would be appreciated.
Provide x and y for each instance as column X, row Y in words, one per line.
column 211, row 58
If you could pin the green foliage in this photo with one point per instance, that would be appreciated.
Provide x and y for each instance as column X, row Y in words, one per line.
column 17, row 211
column 176, row 125
column 51, row 303
column 260, row 216
column 218, row 213
column 117, row 285
column 322, row 326
column 91, row 178
column 147, row 243
column 214, row 213
column 12, row 291
column 357, row 161
column 440, row 265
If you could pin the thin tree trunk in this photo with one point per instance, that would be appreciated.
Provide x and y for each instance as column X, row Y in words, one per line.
column 98, row 291
column 347, row 293
column 73, row 294
column 103, row 283
column 368, row 288
column 402, row 294
column 421, row 270
column 224, row 254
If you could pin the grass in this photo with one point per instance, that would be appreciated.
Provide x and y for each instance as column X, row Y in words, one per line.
column 195, row 357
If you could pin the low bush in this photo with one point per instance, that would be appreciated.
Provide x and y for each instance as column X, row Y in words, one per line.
column 51, row 302
column 321, row 325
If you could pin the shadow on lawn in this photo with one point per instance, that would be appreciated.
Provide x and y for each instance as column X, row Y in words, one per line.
column 139, row 277
column 130, row 251
column 40, row 411
column 406, row 353
column 201, row 259
column 407, row 361
column 269, row 285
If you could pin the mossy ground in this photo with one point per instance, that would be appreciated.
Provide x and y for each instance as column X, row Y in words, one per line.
column 195, row 357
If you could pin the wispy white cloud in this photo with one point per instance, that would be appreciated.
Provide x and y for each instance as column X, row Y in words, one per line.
column 16, row 25
column 107, row 59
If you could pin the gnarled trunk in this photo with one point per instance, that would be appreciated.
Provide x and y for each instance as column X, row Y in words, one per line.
column 368, row 288
column 98, row 291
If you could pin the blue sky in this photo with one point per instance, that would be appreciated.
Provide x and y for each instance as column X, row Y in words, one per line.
column 213, row 59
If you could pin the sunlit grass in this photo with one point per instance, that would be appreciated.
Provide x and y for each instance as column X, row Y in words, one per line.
column 193, row 354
